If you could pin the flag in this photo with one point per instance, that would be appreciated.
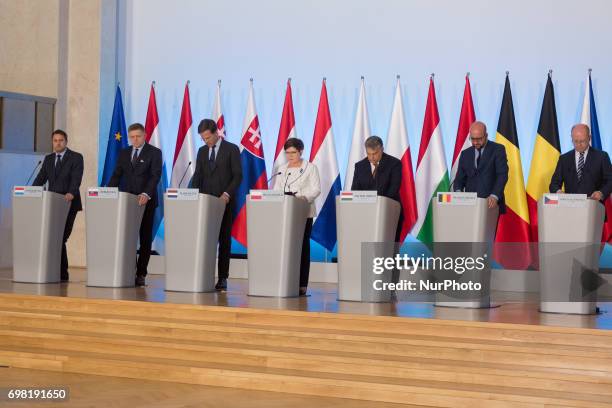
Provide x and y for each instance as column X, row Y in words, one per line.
column 466, row 118
column 546, row 152
column 589, row 118
column 398, row 146
column 513, row 226
column 431, row 172
column 117, row 139
column 253, row 167
column 361, row 132
column 323, row 155
column 286, row 131
column 184, row 154
column 217, row 113
column 152, row 132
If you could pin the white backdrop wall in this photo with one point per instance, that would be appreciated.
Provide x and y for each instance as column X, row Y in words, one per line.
column 271, row 40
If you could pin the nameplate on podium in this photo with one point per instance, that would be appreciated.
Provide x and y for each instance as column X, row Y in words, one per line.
column 367, row 196
column 27, row 191
column 188, row 194
column 267, row 195
column 103, row 192
column 458, row 198
column 565, row 200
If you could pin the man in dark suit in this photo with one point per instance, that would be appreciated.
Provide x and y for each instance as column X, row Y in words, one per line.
column 218, row 172
column 583, row 170
column 63, row 170
column 381, row 172
column 483, row 168
column 138, row 171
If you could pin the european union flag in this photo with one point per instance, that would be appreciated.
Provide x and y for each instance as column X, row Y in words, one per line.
column 117, row 139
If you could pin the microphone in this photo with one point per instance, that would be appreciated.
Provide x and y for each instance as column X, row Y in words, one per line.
column 30, row 178
column 277, row 174
column 184, row 174
column 286, row 180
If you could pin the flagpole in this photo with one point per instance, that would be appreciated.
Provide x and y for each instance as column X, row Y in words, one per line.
column 153, row 84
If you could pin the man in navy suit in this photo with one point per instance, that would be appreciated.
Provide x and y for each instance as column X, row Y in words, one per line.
column 63, row 170
column 483, row 168
column 381, row 172
column 138, row 171
column 583, row 170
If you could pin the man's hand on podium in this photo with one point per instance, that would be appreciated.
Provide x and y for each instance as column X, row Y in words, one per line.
column 225, row 197
column 492, row 201
column 143, row 199
column 559, row 191
column 69, row 197
column 597, row 195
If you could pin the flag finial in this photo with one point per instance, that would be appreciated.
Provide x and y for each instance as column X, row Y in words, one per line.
column 550, row 73
column 432, row 76
column 289, row 80
column 590, row 70
column 467, row 74
column 362, row 77
column 153, row 84
column 251, row 80
column 507, row 73
column 324, row 79
column 397, row 77
column 118, row 84
column 188, row 82
column 219, row 82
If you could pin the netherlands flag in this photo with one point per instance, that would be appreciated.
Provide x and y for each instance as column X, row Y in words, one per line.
column 253, row 167
column 323, row 155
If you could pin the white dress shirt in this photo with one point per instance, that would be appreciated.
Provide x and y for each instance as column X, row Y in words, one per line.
column 303, row 181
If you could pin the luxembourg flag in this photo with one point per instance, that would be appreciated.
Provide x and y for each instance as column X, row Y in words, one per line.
column 217, row 113
column 398, row 146
column 152, row 132
column 323, row 155
column 589, row 118
column 184, row 152
column 286, row 131
column 361, row 132
column 466, row 118
column 253, row 167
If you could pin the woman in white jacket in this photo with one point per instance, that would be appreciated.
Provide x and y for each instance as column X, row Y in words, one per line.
column 300, row 178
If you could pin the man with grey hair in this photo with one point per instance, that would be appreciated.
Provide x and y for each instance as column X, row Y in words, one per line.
column 483, row 168
column 381, row 172
column 583, row 170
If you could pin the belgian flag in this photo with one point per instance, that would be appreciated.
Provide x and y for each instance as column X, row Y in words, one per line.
column 546, row 153
column 513, row 226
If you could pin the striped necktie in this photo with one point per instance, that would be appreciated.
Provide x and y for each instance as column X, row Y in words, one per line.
column 580, row 165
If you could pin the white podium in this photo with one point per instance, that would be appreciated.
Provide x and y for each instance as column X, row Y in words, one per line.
column 275, row 231
column 192, row 224
column 39, row 219
column 363, row 217
column 465, row 218
column 569, row 231
column 113, row 223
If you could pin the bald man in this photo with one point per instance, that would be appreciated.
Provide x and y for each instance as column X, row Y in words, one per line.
column 483, row 168
column 583, row 170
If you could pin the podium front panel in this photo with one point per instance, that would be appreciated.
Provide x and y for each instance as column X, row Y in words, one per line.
column 192, row 224
column 569, row 231
column 39, row 219
column 113, row 223
column 359, row 221
column 275, row 231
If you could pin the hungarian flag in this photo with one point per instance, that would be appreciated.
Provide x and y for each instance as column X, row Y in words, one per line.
column 398, row 146
column 466, row 118
column 589, row 118
column 361, row 132
column 253, row 167
column 152, row 132
column 117, row 139
column 546, row 153
column 513, row 226
column 184, row 153
column 323, row 155
column 217, row 113
column 431, row 172
column 286, row 131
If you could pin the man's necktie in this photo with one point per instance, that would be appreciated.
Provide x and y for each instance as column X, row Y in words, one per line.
column 58, row 160
column 374, row 171
column 211, row 159
column 580, row 165
column 134, row 157
column 478, row 156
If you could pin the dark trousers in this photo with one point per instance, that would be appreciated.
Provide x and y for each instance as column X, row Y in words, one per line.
column 305, row 259
column 67, row 231
column 225, row 242
column 146, row 240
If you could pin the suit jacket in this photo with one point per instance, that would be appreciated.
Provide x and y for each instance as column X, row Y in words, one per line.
column 143, row 176
column 387, row 180
column 596, row 174
column 66, row 178
column 224, row 176
column 489, row 178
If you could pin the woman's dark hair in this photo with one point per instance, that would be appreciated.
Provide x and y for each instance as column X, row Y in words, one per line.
column 294, row 142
